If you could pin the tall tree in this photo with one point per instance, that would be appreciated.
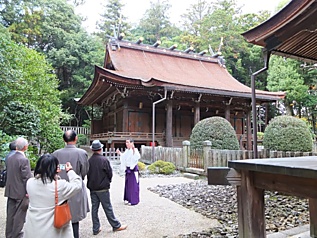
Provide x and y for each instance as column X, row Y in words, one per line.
column 155, row 23
column 112, row 22
column 195, row 15
column 193, row 20
column 51, row 27
column 220, row 30
column 284, row 76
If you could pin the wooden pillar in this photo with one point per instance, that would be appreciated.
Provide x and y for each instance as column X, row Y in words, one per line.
column 197, row 113
column 251, row 212
column 169, row 124
column 115, row 117
column 125, row 117
column 266, row 115
column 249, row 133
column 92, row 128
column 313, row 218
column 227, row 113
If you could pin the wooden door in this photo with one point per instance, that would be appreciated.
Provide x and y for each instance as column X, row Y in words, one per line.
column 139, row 122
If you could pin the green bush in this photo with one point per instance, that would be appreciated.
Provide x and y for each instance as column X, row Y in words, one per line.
column 141, row 166
column 5, row 140
column 162, row 167
column 287, row 133
column 32, row 155
column 260, row 135
column 217, row 130
column 82, row 139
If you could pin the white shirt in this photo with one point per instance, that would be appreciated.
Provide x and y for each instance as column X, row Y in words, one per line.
column 129, row 158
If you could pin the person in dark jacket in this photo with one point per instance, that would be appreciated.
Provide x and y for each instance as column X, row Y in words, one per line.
column 98, row 182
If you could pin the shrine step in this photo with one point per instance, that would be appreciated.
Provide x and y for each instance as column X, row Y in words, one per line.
column 191, row 176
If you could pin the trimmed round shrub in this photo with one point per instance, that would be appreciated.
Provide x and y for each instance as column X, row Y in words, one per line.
column 287, row 133
column 141, row 166
column 162, row 167
column 217, row 130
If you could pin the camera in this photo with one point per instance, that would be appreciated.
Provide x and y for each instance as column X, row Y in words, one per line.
column 62, row 166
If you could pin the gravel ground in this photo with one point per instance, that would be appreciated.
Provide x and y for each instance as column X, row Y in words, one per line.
column 219, row 202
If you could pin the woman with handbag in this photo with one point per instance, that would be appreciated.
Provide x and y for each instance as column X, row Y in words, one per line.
column 44, row 190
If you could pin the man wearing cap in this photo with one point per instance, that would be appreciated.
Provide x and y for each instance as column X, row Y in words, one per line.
column 98, row 181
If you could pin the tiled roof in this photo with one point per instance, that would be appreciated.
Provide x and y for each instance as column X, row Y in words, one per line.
column 129, row 64
column 160, row 66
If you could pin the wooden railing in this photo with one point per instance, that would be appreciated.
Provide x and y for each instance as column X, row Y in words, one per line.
column 124, row 135
column 78, row 129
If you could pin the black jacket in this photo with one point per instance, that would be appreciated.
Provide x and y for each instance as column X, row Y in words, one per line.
column 100, row 173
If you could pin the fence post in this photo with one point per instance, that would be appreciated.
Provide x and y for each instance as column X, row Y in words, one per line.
column 206, row 149
column 186, row 153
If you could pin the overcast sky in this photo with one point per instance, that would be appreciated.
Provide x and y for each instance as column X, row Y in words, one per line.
column 135, row 9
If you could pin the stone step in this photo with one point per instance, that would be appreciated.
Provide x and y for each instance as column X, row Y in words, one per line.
column 191, row 176
column 195, row 171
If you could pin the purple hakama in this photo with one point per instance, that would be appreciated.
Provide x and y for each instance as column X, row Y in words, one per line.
column 132, row 188
column 129, row 162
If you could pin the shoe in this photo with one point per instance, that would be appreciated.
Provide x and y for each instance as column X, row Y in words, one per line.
column 96, row 233
column 126, row 202
column 121, row 228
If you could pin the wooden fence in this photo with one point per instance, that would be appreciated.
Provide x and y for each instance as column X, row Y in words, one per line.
column 186, row 158
column 111, row 154
column 173, row 155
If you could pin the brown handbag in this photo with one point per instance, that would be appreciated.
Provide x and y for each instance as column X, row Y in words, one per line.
column 62, row 214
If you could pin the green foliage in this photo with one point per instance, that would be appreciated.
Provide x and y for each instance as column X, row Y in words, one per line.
column 217, row 130
column 162, row 167
column 51, row 139
column 111, row 19
column 52, row 27
column 287, row 133
column 5, row 140
column 4, row 143
column 33, row 155
column 82, row 139
column 155, row 23
column 284, row 76
column 141, row 166
column 260, row 135
column 219, row 25
column 30, row 104
column 20, row 119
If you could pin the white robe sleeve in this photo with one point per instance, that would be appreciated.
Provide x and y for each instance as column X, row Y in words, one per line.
column 134, row 158
column 129, row 159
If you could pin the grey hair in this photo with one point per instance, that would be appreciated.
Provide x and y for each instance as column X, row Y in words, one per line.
column 20, row 143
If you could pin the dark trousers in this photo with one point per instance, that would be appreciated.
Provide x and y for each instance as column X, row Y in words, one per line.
column 102, row 197
column 76, row 229
column 16, row 212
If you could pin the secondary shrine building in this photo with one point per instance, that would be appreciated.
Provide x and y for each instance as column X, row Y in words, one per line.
column 155, row 94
